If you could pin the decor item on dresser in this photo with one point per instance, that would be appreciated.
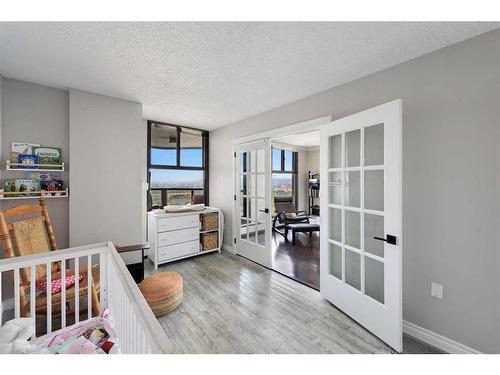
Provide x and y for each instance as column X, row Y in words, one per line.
column 178, row 235
column 163, row 292
column 184, row 207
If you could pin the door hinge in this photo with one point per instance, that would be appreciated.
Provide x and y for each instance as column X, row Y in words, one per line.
column 234, row 197
column 234, row 239
column 235, row 154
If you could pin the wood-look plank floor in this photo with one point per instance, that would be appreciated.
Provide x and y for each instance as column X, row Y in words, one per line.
column 299, row 261
column 232, row 305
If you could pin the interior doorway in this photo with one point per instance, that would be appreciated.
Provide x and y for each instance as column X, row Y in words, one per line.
column 295, row 207
column 360, row 254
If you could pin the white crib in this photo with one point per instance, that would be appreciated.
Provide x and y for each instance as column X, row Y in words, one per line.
column 137, row 328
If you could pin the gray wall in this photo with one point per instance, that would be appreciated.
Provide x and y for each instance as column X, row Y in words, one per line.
column 38, row 114
column 450, row 179
column 107, row 152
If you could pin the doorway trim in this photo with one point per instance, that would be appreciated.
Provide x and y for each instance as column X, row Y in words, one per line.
column 297, row 128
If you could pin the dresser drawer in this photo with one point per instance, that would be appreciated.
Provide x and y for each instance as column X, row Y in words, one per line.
column 178, row 250
column 176, row 236
column 180, row 222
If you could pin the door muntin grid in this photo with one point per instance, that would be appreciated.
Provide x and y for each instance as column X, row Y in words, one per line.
column 356, row 209
column 252, row 196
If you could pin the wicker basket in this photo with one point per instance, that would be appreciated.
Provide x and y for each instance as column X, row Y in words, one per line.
column 209, row 241
column 210, row 221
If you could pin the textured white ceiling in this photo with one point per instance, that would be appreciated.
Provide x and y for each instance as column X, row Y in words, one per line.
column 307, row 140
column 212, row 74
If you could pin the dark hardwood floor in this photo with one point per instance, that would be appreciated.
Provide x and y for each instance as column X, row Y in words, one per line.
column 299, row 262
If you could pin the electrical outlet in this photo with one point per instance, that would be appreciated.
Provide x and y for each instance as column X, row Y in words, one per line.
column 437, row 290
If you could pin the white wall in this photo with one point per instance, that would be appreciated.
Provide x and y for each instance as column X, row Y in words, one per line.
column 108, row 156
column 451, row 212
column 38, row 114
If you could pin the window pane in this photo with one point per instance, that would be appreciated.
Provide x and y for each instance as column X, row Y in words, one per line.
column 282, row 186
column 335, row 144
column 176, row 197
column 163, row 144
column 161, row 156
column 288, row 160
column 276, row 159
column 352, row 148
column 374, row 145
column 198, row 197
column 374, row 279
column 191, row 148
column 243, row 162
column 335, row 261
column 353, row 269
column 176, row 179
column 156, row 198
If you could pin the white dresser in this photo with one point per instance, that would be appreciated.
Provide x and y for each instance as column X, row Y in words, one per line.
column 174, row 236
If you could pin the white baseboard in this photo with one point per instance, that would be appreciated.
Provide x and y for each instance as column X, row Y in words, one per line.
column 228, row 248
column 434, row 339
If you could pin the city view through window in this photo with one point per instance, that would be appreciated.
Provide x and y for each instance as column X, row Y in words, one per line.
column 176, row 165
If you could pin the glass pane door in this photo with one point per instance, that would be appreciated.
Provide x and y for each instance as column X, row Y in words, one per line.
column 253, row 201
column 361, row 267
column 356, row 206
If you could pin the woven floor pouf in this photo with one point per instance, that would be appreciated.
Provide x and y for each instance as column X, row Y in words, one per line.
column 162, row 291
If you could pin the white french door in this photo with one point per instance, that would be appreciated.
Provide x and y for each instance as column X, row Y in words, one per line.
column 361, row 224
column 253, row 201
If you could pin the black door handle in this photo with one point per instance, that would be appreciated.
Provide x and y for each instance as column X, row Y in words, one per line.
column 265, row 210
column 389, row 239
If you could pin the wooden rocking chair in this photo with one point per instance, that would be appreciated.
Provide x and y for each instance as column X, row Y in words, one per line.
column 32, row 236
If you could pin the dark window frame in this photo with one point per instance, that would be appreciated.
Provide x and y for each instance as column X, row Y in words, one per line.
column 178, row 166
column 294, row 172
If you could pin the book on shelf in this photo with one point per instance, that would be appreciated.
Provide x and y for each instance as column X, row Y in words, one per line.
column 12, row 185
column 34, row 153
column 48, row 155
column 27, row 161
column 21, row 148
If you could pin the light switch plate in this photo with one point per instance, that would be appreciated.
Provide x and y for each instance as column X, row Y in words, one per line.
column 437, row 290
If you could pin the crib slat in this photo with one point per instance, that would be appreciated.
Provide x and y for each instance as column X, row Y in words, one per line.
column 49, row 297
column 63, row 294
column 89, row 281
column 16, row 294
column 33, row 297
column 77, row 290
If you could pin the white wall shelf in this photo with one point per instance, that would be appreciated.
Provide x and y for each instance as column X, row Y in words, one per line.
column 33, row 195
column 11, row 166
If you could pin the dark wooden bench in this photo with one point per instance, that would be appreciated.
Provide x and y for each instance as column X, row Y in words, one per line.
column 300, row 228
